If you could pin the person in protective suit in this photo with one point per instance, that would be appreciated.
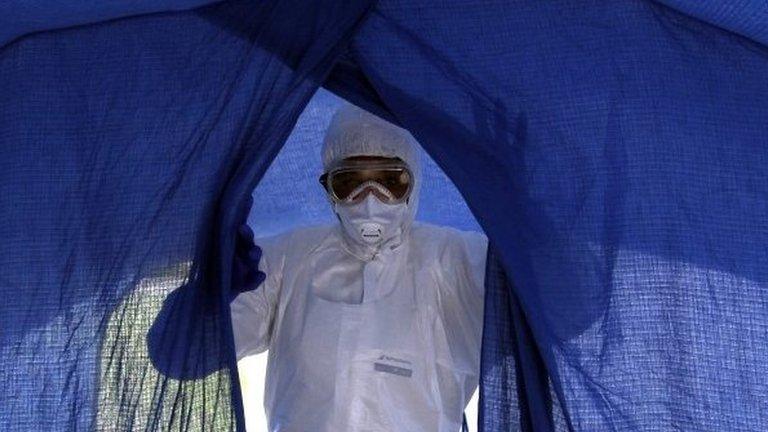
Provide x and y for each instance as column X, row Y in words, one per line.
column 374, row 323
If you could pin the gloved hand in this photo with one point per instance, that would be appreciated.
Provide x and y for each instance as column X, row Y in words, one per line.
column 246, row 275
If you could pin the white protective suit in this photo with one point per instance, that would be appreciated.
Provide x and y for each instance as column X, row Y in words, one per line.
column 367, row 337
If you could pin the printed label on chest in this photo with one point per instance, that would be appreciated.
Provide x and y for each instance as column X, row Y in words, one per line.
column 393, row 365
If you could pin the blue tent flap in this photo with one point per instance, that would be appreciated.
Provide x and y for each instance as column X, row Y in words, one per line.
column 615, row 155
column 126, row 147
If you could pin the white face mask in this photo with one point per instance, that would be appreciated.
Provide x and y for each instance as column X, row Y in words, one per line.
column 371, row 221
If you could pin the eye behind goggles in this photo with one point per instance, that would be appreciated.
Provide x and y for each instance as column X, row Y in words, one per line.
column 351, row 181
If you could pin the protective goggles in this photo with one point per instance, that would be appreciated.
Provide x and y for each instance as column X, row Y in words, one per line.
column 352, row 180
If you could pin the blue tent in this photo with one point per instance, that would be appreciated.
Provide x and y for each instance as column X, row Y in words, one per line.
column 615, row 154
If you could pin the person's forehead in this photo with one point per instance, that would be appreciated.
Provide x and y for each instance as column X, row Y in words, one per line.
column 358, row 162
column 373, row 158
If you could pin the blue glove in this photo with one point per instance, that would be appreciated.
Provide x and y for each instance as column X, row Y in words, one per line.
column 246, row 275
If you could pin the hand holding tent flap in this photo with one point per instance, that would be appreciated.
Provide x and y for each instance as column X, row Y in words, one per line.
column 246, row 275
column 172, row 335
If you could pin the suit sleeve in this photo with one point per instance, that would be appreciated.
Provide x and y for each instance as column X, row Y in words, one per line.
column 463, row 287
column 253, row 312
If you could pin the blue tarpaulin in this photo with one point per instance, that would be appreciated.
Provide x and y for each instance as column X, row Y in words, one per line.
column 615, row 153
